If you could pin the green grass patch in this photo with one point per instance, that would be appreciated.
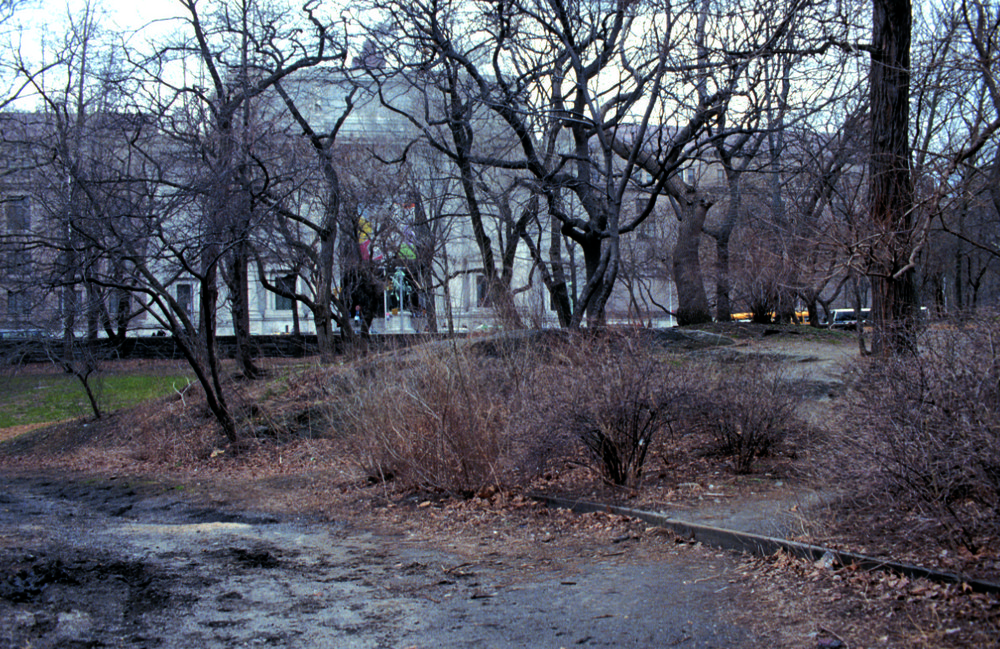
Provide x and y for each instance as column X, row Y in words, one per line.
column 55, row 397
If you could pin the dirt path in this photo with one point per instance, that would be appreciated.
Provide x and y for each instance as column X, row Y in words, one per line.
column 98, row 563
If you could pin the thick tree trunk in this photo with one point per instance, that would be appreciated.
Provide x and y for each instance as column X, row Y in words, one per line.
column 322, row 313
column 212, row 382
column 117, row 330
column 723, row 309
column 692, row 301
column 547, row 268
column 559, row 291
column 894, row 293
column 239, row 289
column 426, row 248
column 592, row 263
column 723, row 235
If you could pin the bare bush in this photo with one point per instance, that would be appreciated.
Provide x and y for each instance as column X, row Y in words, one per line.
column 437, row 419
column 749, row 411
column 927, row 428
column 615, row 394
column 497, row 411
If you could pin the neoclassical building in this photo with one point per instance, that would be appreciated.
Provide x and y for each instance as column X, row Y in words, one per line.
column 394, row 213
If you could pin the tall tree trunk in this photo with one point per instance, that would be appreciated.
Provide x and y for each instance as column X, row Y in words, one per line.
column 723, row 308
column 591, row 300
column 238, row 281
column 424, row 266
column 92, row 295
column 323, row 314
column 692, row 301
column 560, row 293
column 212, row 382
column 69, row 320
column 893, row 279
column 499, row 296
column 723, row 235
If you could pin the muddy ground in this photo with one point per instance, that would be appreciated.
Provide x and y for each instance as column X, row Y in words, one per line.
column 106, row 563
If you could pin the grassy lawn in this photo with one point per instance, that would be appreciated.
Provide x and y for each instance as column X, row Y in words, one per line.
column 30, row 399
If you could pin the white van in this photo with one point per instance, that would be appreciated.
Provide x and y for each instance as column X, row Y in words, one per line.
column 845, row 318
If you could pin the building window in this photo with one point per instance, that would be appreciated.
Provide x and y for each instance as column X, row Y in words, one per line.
column 18, row 305
column 640, row 204
column 119, row 305
column 720, row 174
column 18, row 215
column 19, row 261
column 70, row 302
column 483, row 298
column 184, row 299
column 285, row 283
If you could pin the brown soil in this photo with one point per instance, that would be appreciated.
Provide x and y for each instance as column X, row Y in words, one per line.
column 142, row 531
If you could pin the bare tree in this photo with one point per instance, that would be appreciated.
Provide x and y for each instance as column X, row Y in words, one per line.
column 736, row 101
column 321, row 256
column 955, row 151
column 175, row 195
column 890, row 190
column 71, row 146
column 564, row 89
column 436, row 102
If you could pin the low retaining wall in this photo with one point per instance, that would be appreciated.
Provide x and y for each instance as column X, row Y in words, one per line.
column 765, row 545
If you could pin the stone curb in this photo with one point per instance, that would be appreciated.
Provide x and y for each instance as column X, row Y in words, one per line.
column 766, row 545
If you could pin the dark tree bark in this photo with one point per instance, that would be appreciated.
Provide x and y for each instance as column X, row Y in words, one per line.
column 692, row 300
column 423, row 266
column 892, row 276
column 723, row 307
column 238, row 283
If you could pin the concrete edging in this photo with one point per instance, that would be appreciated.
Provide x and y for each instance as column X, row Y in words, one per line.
column 766, row 545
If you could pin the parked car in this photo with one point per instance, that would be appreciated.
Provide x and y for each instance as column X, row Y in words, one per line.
column 847, row 319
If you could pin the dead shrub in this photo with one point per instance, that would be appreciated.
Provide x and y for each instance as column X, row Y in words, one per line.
column 925, row 434
column 748, row 410
column 438, row 420
column 616, row 395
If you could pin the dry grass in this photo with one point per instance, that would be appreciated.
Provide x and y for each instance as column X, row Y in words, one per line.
column 503, row 413
column 613, row 394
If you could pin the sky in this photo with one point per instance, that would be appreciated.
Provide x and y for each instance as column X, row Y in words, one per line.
column 38, row 28
column 125, row 14
column 45, row 21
